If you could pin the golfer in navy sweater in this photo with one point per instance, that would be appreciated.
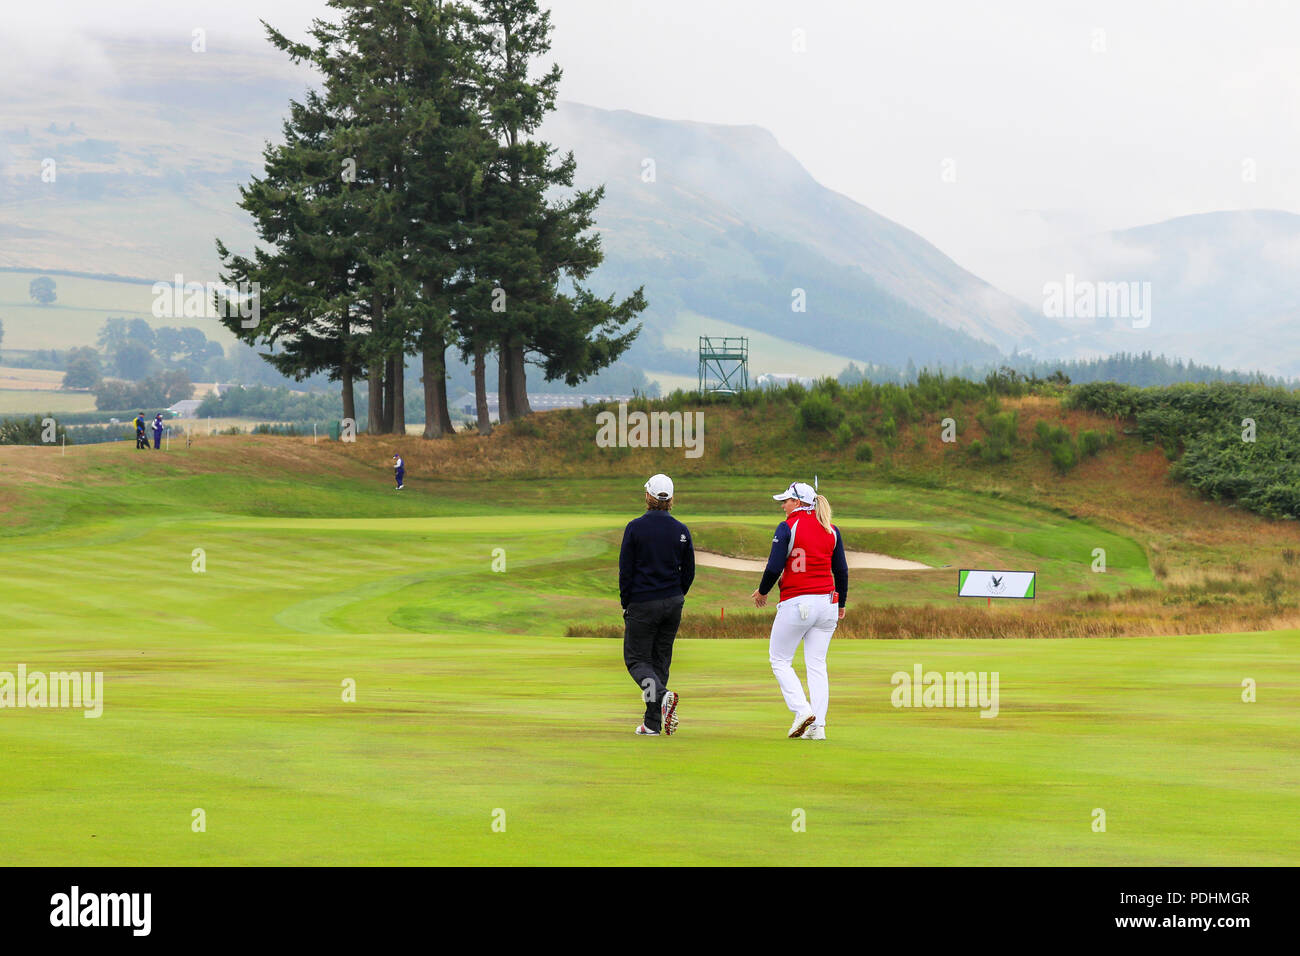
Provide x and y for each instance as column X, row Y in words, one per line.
column 655, row 569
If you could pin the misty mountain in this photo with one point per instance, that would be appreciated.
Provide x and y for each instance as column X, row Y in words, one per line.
column 734, row 188
column 147, row 166
column 1224, row 289
column 723, row 227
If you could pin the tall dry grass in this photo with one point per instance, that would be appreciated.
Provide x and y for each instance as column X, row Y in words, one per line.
column 1137, row 614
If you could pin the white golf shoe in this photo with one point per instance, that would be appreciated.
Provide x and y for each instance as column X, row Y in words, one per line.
column 801, row 723
column 642, row 732
column 814, row 733
column 669, row 711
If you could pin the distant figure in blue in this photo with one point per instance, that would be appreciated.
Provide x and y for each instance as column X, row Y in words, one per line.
column 399, row 470
column 140, row 440
column 157, row 432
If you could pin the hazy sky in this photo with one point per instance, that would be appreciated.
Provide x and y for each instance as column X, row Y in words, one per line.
column 1049, row 119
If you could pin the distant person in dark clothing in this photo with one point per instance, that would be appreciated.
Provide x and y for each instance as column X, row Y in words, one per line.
column 140, row 440
column 656, row 566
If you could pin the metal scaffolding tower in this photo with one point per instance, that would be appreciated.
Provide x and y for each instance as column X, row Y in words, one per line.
column 724, row 364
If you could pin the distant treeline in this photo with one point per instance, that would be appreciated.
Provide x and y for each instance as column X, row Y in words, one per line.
column 273, row 404
column 1123, row 367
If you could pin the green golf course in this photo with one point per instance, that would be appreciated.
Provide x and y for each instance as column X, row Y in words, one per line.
column 233, row 593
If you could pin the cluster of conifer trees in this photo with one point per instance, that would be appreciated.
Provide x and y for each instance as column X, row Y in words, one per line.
column 411, row 209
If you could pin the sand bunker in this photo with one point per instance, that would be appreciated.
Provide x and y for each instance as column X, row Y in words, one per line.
column 856, row 559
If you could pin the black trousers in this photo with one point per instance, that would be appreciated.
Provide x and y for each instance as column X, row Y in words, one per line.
column 649, row 629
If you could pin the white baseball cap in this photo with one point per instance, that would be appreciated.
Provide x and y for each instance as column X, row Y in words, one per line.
column 798, row 489
column 659, row 486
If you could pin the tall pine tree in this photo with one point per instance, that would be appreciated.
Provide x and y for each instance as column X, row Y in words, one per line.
column 534, row 247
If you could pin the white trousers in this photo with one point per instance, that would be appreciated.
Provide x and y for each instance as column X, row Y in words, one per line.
column 810, row 618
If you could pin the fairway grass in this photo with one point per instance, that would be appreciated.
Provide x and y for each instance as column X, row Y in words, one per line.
column 446, row 731
column 223, row 690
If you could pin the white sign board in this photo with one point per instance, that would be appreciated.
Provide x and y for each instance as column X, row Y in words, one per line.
column 996, row 584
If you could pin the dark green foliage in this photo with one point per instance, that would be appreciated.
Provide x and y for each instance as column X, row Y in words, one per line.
column 83, row 369
column 1058, row 443
column 271, row 403
column 1064, row 456
column 1206, row 428
column 1000, row 433
column 863, row 452
column 155, row 392
column 818, row 412
column 1041, row 376
column 887, row 430
column 1063, row 450
column 27, row 431
column 1105, row 398
column 793, row 392
column 1091, row 441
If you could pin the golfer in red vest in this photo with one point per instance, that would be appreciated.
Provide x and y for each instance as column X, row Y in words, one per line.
column 808, row 558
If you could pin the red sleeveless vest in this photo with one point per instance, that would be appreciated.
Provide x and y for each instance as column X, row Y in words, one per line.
column 808, row 565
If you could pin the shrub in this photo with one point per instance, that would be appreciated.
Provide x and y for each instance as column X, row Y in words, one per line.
column 794, row 392
column 1064, row 456
column 888, row 432
column 1060, row 446
column 1105, row 398
column 26, row 431
column 1000, row 432
column 864, row 452
column 523, row 426
column 818, row 413
column 1091, row 441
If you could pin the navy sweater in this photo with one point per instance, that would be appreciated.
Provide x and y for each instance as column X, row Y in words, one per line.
column 657, row 559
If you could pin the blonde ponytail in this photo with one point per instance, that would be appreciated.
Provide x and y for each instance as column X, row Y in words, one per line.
column 822, row 509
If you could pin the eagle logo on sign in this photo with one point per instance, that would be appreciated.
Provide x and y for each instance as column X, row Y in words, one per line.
column 997, row 584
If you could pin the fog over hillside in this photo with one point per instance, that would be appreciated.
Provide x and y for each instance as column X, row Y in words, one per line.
column 147, row 145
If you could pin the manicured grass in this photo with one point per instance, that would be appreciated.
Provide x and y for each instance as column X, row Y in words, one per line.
column 446, row 730
column 223, row 690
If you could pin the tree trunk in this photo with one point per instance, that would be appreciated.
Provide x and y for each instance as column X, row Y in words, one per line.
column 480, row 393
column 380, row 418
column 432, row 418
column 437, row 417
column 444, row 409
column 349, row 398
column 399, row 393
column 389, row 395
column 518, row 382
column 504, row 397
column 375, row 386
